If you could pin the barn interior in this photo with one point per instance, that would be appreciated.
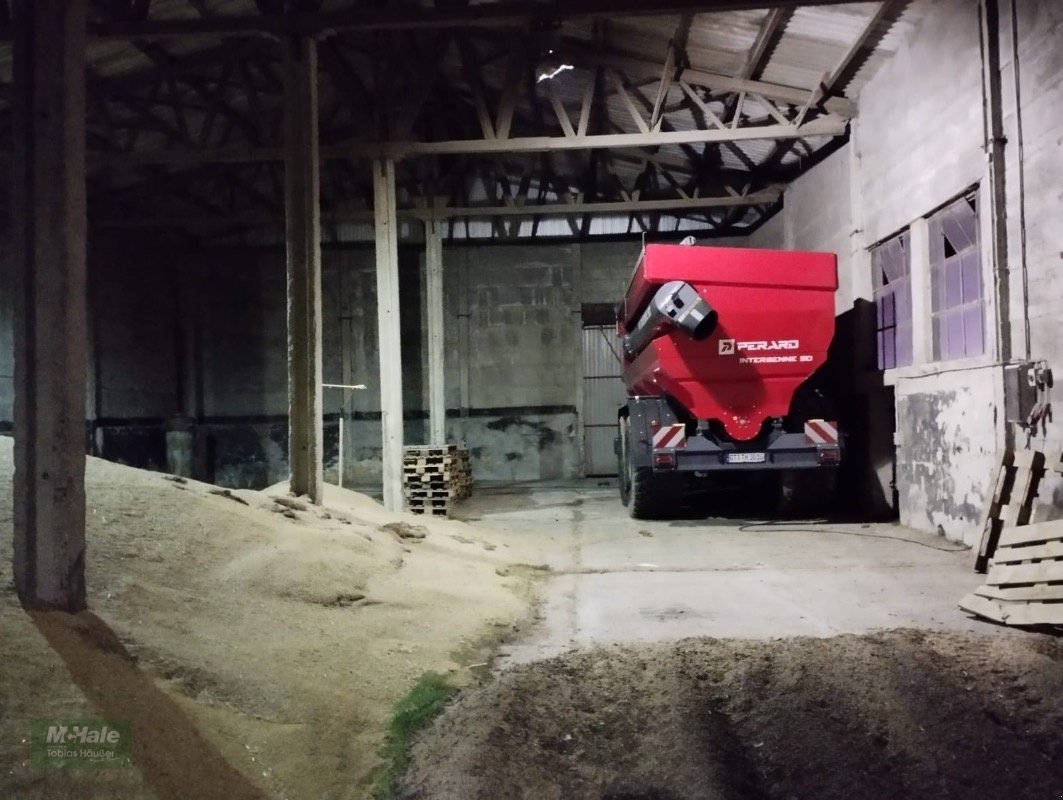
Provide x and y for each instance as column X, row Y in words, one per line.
column 257, row 252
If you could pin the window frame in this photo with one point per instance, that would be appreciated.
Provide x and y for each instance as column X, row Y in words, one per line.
column 957, row 285
column 892, row 297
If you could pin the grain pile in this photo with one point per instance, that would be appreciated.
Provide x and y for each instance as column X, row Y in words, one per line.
column 904, row 714
column 257, row 643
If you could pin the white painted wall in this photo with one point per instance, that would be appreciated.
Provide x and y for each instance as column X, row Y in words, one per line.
column 1035, row 238
column 918, row 143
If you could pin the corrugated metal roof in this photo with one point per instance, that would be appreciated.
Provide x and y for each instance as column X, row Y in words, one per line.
column 812, row 45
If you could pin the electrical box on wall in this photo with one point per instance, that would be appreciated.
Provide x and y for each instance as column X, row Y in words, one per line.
column 1020, row 392
column 1025, row 386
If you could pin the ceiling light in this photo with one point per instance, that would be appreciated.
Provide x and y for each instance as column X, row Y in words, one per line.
column 550, row 65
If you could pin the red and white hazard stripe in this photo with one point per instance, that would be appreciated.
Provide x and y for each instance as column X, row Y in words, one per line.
column 672, row 436
column 819, row 431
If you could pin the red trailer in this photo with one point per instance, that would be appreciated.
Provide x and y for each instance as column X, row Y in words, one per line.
column 720, row 346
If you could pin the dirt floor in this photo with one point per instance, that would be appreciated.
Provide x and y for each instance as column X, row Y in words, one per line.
column 902, row 714
column 257, row 645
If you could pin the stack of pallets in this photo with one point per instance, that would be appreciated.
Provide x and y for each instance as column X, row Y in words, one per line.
column 435, row 477
column 1024, row 581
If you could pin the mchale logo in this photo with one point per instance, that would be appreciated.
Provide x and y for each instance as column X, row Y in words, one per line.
column 80, row 743
column 82, row 734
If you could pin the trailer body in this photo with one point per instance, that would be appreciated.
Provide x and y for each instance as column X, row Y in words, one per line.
column 719, row 345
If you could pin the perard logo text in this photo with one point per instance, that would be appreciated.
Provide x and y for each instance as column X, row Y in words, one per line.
column 767, row 346
column 730, row 347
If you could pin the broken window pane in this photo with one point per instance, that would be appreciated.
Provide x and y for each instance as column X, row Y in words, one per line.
column 957, row 306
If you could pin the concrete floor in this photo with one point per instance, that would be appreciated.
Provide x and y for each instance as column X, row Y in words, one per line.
column 621, row 580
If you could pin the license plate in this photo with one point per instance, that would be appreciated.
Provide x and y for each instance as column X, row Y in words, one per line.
column 745, row 458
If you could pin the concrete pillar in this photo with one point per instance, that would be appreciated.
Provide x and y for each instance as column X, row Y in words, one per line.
column 49, row 218
column 303, row 233
column 922, row 307
column 464, row 339
column 389, row 333
column 433, row 266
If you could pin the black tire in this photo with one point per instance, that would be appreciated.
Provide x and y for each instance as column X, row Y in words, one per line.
column 807, row 493
column 652, row 495
column 622, row 468
column 645, row 504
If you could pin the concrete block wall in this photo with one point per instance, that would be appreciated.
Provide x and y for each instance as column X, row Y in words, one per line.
column 1034, row 127
column 513, row 358
column 917, row 144
column 201, row 334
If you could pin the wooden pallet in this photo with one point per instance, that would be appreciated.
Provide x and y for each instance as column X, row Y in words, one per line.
column 432, row 462
column 414, row 494
column 1011, row 504
column 428, row 473
column 432, row 512
column 451, row 488
column 428, row 502
column 430, row 448
column 431, row 474
column 1024, row 585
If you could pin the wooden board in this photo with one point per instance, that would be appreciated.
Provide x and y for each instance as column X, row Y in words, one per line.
column 1040, row 572
column 1029, row 467
column 430, row 449
column 429, row 494
column 1040, row 591
column 1033, row 614
column 991, row 523
column 1016, row 555
column 1014, row 613
column 983, row 607
column 1031, row 534
column 445, row 472
column 432, row 512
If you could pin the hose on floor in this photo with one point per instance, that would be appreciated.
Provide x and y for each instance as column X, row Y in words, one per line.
column 813, row 527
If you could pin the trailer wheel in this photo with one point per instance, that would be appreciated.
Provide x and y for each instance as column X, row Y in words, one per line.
column 653, row 495
column 644, row 505
column 623, row 471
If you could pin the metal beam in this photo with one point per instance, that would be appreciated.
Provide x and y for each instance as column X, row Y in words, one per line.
column 50, row 325
column 394, row 17
column 617, row 207
column 823, row 126
column 771, row 32
column 860, row 51
column 633, row 67
column 679, row 204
